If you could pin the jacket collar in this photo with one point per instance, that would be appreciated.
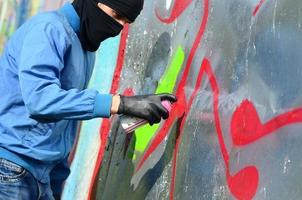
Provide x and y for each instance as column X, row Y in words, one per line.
column 72, row 16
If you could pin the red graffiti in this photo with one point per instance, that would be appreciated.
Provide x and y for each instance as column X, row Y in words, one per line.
column 178, row 8
column 258, row 6
column 246, row 126
column 106, row 124
column 128, row 91
column 178, row 108
column 244, row 183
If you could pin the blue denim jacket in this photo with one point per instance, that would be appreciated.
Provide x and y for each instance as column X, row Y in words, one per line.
column 44, row 72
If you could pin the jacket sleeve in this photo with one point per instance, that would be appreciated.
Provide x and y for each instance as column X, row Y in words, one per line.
column 40, row 66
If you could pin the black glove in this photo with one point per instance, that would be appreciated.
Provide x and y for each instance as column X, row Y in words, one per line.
column 146, row 107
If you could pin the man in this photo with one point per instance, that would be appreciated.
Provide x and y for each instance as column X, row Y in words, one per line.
column 44, row 70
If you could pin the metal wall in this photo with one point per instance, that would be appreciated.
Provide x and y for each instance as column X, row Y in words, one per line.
column 235, row 66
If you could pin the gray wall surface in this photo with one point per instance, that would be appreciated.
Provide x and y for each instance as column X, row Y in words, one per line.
column 235, row 132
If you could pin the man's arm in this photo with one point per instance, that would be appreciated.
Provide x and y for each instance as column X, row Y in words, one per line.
column 40, row 66
column 115, row 104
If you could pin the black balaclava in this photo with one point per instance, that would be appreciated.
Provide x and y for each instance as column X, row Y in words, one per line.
column 96, row 25
column 127, row 8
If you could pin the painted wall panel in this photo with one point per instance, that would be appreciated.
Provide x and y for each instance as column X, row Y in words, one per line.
column 235, row 132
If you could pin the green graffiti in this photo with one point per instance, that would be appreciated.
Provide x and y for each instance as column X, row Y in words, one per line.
column 166, row 84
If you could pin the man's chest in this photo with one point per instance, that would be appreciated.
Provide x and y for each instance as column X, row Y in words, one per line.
column 78, row 67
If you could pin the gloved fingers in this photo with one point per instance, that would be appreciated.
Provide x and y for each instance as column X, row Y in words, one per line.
column 154, row 117
column 170, row 97
column 157, row 120
column 163, row 111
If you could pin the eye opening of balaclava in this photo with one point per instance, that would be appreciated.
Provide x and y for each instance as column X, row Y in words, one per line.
column 127, row 8
column 96, row 25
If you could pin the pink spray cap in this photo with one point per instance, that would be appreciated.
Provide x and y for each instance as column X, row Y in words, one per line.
column 166, row 104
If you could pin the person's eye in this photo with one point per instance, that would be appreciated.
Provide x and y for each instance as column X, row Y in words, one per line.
column 114, row 13
column 117, row 15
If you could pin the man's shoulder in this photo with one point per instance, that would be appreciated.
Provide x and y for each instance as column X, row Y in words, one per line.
column 48, row 18
column 51, row 23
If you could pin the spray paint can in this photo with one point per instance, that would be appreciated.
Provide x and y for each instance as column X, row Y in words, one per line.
column 129, row 124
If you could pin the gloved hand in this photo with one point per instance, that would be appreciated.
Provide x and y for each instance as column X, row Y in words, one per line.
column 148, row 107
